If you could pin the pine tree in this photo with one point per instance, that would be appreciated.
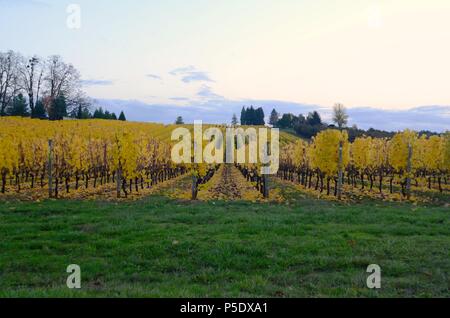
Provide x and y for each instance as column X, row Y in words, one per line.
column 259, row 117
column 19, row 107
column 58, row 108
column 99, row 114
column 243, row 116
column 251, row 118
column 234, row 120
column 82, row 113
column 39, row 110
column 274, row 117
column 179, row 121
column 122, row 116
column 314, row 119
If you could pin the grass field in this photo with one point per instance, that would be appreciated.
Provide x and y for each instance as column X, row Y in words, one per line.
column 160, row 247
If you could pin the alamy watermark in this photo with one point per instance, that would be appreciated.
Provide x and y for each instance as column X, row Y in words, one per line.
column 74, row 279
column 240, row 145
column 73, row 20
column 374, row 279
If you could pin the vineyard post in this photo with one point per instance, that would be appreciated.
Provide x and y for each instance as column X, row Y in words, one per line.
column 119, row 181
column 266, row 186
column 408, row 172
column 50, row 168
column 340, row 175
column 194, row 188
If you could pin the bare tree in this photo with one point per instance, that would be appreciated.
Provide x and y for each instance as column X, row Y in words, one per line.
column 60, row 79
column 32, row 72
column 9, row 78
column 340, row 116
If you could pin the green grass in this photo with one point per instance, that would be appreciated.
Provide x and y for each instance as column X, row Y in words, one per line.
column 163, row 248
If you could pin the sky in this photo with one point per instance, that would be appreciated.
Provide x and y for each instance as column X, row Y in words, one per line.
column 207, row 58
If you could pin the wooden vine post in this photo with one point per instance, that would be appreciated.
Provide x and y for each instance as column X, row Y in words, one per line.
column 408, row 172
column 341, row 172
column 266, row 186
column 50, row 168
column 194, row 188
column 118, row 181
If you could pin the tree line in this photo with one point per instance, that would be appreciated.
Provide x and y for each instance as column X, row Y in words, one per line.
column 44, row 88
column 252, row 117
column 310, row 125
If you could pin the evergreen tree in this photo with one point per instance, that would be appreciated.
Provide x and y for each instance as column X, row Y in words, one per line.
column 99, row 113
column 19, row 107
column 83, row 113
column 287, row 121
column 122, row 116
column 259, row 117
column 251, row 116
column 58, row 108
column 113, row 116
column 274, row 117
column 243, row 116
column 314, row 119
column 234, row 120
column 39, row 110
column 179, row 121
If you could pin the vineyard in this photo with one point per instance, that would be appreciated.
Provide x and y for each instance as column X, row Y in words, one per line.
column 404, row 163
column 110, row 160
column 140, row 225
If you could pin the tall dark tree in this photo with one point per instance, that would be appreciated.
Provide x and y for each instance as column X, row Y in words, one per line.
column 314, row 119
column 243, row 116
column 58, row 108
column 31, row 76
column 99, row 113
column 259, row 117
column 122, row 116
column 274, row 117
column 251, row 115
column 234, row 120
column 18, row 107
column 39, row 110
column 179, row 121
column 83, row 113
column 287, row 121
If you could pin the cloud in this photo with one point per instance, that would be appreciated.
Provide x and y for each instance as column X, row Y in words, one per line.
column 179, row 99
column 17, row 3
column 182, row 70
column 94, row 82
column 196, row 77
column 190, row 74
column 435, row 118
column 153, row 76
column 206, row 92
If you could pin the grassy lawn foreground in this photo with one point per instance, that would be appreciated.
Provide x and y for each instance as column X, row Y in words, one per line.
column 158, row 247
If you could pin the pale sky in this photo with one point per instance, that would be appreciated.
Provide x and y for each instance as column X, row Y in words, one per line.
column 386, row 54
